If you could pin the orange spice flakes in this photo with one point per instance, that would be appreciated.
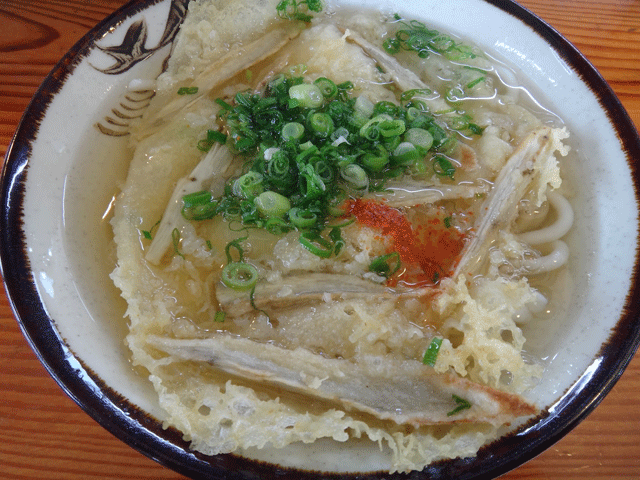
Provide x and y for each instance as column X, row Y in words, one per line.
column 429, row 251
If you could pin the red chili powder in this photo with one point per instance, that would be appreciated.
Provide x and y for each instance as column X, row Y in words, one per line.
column 429, row 252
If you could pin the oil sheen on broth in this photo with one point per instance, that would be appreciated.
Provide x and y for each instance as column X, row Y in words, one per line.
column 339, row 233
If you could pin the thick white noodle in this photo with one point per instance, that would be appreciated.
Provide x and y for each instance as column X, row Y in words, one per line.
column 558, row 229
column 557, row 258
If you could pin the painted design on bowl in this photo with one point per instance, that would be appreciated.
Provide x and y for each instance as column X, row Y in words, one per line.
column 133, row 48
column 131, row 51
column 131, row 107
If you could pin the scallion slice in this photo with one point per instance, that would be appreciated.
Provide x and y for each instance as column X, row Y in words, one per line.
column 292, row 131
column 316, row 244
column 443, row 167
column 327, row 87
column 405, row 154
column 461, row 404
column 272, row 205
column 419, row 137
column 321, row 124
column 431, row 355
column 239, row 275
column 199, row 206
column 187, row 90
column 248, row 185
column 355, row 176
column 302, row 219
column 386, row 265
column 307, row 95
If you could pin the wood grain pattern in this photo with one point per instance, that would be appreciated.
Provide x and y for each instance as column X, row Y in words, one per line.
column 43, row 434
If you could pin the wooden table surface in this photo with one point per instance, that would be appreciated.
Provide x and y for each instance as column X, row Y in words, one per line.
column 44, row 434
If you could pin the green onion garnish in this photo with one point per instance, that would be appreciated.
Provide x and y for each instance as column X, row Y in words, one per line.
column 298, row 10
column 302, row 219
column 327, row 87
column 431, row 354
column 272, row 205
column 316, row 244
column 187, row 90
column 175, row 238
column 307, row 95
column 239, row 275
column 386, row 265
column 309, row 146
column 148, row 234
column 461, row 404
column 292, row 131
column 443, row 167
column 199, row 206
column 213, row 136
column 416, row 37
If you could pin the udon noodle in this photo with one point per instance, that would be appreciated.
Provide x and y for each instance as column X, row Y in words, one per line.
column 375, row 287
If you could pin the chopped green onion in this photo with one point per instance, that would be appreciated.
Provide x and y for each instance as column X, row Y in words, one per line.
column 335, row 206
column 382, row 125
column 447, row 222
column 311, row 184
column 307, row 95
column 473, row 83
column 321, row 124
column 409, row 94
column 305, row 147
column 219, row 316
column 419, row 137
column 454, row 95
column 363, row 107
column 327, row 87
column 223, row 104
column 431, row 354
column 277, row 226
column 316, row 244
column 386, row 265
column 355, row 176
column 292, row 131
column 387, row 108
column 443, row 167
column 272, row 205
column 234, row 244
column 324, row 171
column 391, row 128
column 239, row 275
column 416, row 37
column 213, row 136
column 376, row 161
column 298, row 10
column 461, row 404
column 475, row 129
column 302, row 218
column 199, row 206
column 148, row 234
column 187, row 90
column 335, row 234
column 405, row 154
column 248, row 185
column 175, row 238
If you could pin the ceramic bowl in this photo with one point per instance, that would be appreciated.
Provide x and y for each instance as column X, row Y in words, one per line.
column 70, row 153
